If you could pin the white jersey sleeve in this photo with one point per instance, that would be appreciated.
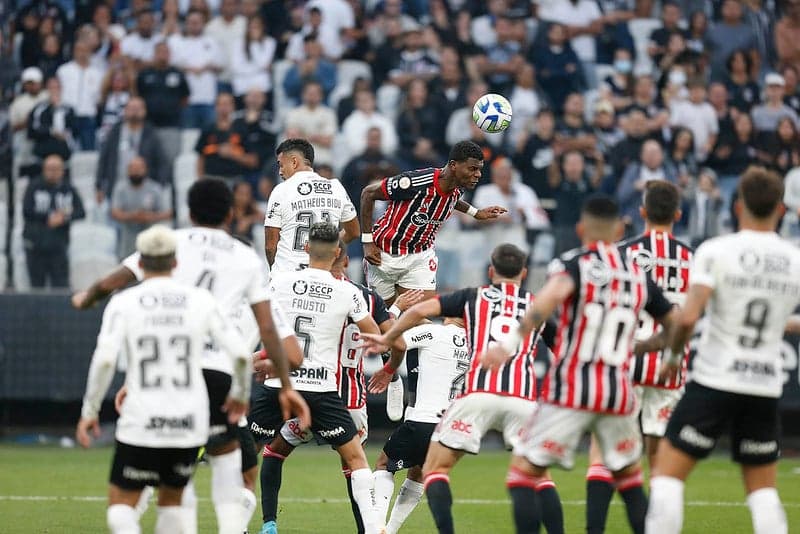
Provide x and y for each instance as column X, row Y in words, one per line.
column 281, row 322
column 275, row 207
column 348, row 211
column 110, row 341
column 132, row 263
column 358, row 309
column 231, row 343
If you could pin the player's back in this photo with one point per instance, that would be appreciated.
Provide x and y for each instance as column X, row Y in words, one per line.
column 297, row 203
column 755, row 277
column 318, row 306
column 166, row 324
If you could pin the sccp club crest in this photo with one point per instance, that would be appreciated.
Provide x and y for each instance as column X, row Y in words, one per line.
column 304, row 188
column 300, row 287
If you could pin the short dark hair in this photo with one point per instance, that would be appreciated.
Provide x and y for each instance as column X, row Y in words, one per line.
column 296, row 144
column 210, row 201
column 508, row 260
column 323, row 232
column 463, row 150
column 157, row 264
column 761, row 190
column 661, row 201
column 601, row 207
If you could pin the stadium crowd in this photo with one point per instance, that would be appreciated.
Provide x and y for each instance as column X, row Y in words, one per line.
column 109, row 110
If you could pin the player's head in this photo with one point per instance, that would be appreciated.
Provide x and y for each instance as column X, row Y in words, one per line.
column 599, row 220
column 323, row 245
column 294, row 155
column 661, row 203
column 156, row 247
column 760, row 197
column 339, row 269
column 465, row 163
column 508, row 263
column 210, row 202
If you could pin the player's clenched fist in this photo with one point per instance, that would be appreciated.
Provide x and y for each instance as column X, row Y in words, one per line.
column 372, row 253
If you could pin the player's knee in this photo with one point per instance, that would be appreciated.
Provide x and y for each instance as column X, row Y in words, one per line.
column 122, row 519
column 627, row 471
column 665, row 513
column 767, row 512
column 353, row 454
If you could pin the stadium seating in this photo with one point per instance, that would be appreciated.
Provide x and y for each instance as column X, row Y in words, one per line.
column 189, row 139
column 20, row 282
column 88, row 238
column 84, row 270
column 185, row 173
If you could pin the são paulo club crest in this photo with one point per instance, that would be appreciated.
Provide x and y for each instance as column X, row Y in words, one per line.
column 598, row 273
column 644, row 259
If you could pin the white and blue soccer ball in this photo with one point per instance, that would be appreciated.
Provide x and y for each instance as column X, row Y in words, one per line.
column 492, row 113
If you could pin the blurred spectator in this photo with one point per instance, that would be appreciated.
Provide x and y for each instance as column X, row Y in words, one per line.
column 677, row 56
column 461, row 119
column 255, row 121
column 503, row 59
column 696, row 34
column 221, row 149
column 582, row 21
column 525, row 101
column 313, row 121
column 20, row 111
column 136, row 204
column 140, row 44
column 414, row 60
column 359, row 169
column 171, row 19
column 681, row 155
column 313, row 67
column 422, row 154
column 365, row 116
column 331, row 43
column 387, row 53
column 659, row 38
column 557, row 67
column 767, row 115
column 246, row 214
column 653, row 166
column 483, row 28
column 33, row 22
column 740, row 81
column 572, row 132
column 200, row 58
column 791, row 198
column 618, row 86
column 165, row 92
column 126, row 140
column 348, row 104
column 705, row 206
column 251, row 59
column 535, row 154
column 419, row 121
column 103, row 35
column 51, row 124
column 228, row 29
column 729, row 34
column 629, row 148
column 697, row 115
column 791, row 90
column 80, row 85
column 787, row 35
column 448, row 88
column 338, row 19
column 605, row 129
column 782, row 148
column 718, row 98
column 572, row 185
column 49, row 206
column 51, row 56
column 116, row 91
column 389, row 11
column 736, row 149
column 645, row 100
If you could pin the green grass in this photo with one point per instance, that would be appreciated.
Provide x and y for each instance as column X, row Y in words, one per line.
column 315, row 498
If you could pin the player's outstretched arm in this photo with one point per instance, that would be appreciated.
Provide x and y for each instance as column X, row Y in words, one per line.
column 350, row 230
column 793, row 325
column 369, row 195
column 376, row 344
column 696, row 299
column 119, row 278
column 272, row 235
column 492, row 212
column 270, row 339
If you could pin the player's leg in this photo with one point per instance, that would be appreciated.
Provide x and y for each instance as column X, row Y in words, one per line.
column 599, row 490
column 363, row 484
column 271, row 476
column 132, row 468
column 359, row 417
column 121, row 517
column 657, row 405
column 384, row 486
column 407, row 499
column 754, row 440
column 176, row 468
column 439, row 461
column 169, row 519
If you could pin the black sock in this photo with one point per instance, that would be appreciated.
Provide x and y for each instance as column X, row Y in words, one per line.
column 354, row 505
column 440, row 501
column 271, row 471
column 552, row 514
column 527, row 510
column 598, row 498
column 635, row 506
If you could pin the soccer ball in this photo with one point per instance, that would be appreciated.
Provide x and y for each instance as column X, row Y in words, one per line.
column 492, row 113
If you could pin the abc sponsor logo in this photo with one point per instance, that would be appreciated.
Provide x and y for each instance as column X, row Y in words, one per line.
column 460, row 426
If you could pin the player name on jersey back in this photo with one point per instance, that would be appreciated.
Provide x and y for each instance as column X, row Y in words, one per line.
column 318, row 306
column 755, row 278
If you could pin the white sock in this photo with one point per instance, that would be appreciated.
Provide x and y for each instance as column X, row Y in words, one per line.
column 768, row 514
column 144, row 500
column 169, row 520
column 189, row 508
column 226, row 491
column 665, row 513
column 363, row 486
column 122, row 519
column 247, row 506
column 407, row 499
column 384, row 487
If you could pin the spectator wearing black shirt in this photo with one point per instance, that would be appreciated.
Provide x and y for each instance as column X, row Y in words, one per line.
column 51, row 124
column 558, row 70
column 736, row 149
column 534, row 156
column 627, row 150
column 791, row 91
column 718, row 98
column 572, row 185
column 255, row 121
column 49, row 206
column 418, row 120
column 782, row 148
column 448, row 89
column 51, row 56
column 221, row 148
column 743, row 91
column 572, row 131
column 166, row 92
column 360, row 168
column 670, row 18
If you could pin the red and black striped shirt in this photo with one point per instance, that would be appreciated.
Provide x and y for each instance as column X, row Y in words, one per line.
column 350, row 375
column 667, row 261
column 417, row 208
column 491, row 312
column 594, row 341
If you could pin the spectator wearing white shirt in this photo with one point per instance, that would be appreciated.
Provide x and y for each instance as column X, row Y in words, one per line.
column 138, row 47
column 583, row 22
column 331, row 42
column 482, row 28
column 314, row 121
column 338, row 19
column 228, row 29
column 697, row 115
column 198, row 55
column 251, row 60
column 524, row 101
column 791, row 198
column 767, row 115
column 32, row 94
column 80, row 89
column 365, row 116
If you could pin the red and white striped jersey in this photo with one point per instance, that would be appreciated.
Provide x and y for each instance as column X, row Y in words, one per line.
column 594, row 339
column 491, row 312
column 350, row 375
column 667, row 261
column 417, row 208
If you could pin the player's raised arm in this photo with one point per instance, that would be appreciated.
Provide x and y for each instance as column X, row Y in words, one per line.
column 492, row 212
column 117, row 279
column 696, row 299
column 230, row 342
column 369, row 195
column 376, row 344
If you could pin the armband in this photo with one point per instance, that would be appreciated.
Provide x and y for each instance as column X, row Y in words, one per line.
column 395, row 311
column 366, row 238
column 472, row 211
